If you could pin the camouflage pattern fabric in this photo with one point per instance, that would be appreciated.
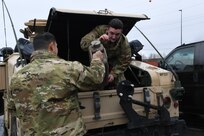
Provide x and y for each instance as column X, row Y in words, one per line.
column 44, row 94
column 119, row 53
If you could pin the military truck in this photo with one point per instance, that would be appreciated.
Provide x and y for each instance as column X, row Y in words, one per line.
column 146, row 103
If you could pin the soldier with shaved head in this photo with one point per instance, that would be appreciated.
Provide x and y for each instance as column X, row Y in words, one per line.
column 44, row 92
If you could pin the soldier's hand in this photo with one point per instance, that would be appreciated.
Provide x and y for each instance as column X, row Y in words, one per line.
column 104, row 37
column 98, row 55
column 110, row 78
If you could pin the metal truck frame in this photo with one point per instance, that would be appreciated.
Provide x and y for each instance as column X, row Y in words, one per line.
column 147, row 103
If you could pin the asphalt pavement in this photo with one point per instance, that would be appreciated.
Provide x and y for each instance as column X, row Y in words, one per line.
column 194, row 132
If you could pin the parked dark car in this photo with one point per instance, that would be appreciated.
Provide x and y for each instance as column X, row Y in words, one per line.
column 187, row 61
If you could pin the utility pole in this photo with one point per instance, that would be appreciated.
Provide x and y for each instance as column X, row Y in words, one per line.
column 181, row 25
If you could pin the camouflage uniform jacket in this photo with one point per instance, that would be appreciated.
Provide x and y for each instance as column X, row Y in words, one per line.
column 119, row 53
column 44, row 94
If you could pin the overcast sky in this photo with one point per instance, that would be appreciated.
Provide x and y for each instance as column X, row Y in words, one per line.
column 163, row 29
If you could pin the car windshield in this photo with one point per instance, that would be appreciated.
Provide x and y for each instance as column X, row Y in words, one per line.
column 181, row 58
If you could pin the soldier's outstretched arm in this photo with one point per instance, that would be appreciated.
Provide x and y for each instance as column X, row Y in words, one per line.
column 92, row 35
column 90, row 77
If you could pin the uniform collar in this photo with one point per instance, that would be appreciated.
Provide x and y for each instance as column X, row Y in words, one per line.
column 42, row 54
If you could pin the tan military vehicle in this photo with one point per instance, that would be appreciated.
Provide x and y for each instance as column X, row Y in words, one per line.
column 147, row 103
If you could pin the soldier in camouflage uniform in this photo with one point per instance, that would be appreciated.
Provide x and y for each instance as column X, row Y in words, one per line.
column 44, row 92
column 116, row 45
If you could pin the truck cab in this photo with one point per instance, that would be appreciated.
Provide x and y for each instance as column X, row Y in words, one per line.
column 187, row 61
